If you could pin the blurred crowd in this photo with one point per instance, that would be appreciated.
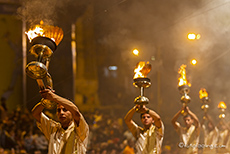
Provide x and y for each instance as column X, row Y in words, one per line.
column 108, row 134
column 20, row 135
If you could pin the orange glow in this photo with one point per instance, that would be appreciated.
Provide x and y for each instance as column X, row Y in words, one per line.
column 35, row 32
column 142, row 70
column 193, row 62
column 136, row 52
column 182, row 80
column 222, row 105
column 203, row 93
column 54, row 33
column 191, row 36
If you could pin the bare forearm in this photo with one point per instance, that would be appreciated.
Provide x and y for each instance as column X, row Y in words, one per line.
column 156, row 117
column 196, row 121
column 175, row 117
column 129, row 115
column 67, row 104
column 37, row 110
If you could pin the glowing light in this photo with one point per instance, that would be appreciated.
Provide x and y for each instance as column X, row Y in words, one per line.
column 142, row 70
column 193, row 62
column 182, row 80
column 54, row 33
column 203, row 93
column 35, row 32
column 193, row 36
column 222, row 105
column 113, row 68
column 136, row 52
column 198, row 36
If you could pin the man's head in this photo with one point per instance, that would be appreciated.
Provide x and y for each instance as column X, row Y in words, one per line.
column 146, row 120
column 188, row 120
column 64, row 116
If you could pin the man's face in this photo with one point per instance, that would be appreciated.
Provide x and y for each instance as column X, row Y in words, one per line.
column 188, row 121
column 64, row 116
column 146, row 120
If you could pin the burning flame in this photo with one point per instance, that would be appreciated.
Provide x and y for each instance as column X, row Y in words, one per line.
column 142, row 70
column 182, row 80
column 203, row 93
column 222, row 105
column 35, row 32
column 54, row 33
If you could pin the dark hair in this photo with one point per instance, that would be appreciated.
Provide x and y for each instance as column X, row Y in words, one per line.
column 187, row 115
column 143, row 114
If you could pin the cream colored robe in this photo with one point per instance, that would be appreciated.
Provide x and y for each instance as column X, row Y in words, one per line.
column 71, row 141
column 148, row 141
column 189, row 140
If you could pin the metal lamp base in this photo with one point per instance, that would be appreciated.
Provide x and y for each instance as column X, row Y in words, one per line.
column 36, row 70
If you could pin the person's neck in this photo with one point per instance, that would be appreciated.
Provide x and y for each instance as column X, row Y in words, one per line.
column 147, row 127
column 65, row 127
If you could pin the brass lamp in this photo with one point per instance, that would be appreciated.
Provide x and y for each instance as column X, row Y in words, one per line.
column 44, row 40
column 222, row 108
column 204, row 100
column 141, row 81
column 184, row 88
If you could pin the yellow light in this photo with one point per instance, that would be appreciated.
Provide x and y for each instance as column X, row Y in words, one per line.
column 203, row 93
column 193, row 62
column 136, row 52
column 198, row 36
column 182, row 80
column 222, row 105
column 191, row 36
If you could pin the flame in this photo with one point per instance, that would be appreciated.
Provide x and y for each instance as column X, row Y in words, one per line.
column 142, row 70
column 203, row 93
column 182, row 80
column 35, row 32
column 54, row 33
column 222, row 105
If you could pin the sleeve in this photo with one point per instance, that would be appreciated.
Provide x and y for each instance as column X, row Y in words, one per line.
column 82, row 129
column 47, row 126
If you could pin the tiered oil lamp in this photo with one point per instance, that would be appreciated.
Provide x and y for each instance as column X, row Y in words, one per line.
column 222, row 108
column 184, row 88
column 141, row 81
column 44, row 40
column 204, row 100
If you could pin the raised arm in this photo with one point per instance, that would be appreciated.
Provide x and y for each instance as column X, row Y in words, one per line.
column 196, row 120
column 128, row 118
column 174, row 121
column 50, row 95
column 209, row 119
column 37, row 110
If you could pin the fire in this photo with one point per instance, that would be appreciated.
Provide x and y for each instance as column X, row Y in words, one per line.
column 182, row 80
column 35, row 32
column 54, row 33
column 203, row 93
column 142, row 70
column 222, row 105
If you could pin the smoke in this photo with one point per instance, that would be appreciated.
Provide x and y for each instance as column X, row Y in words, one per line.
column 159, row 29
column 35, row 11
column 50, row 11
